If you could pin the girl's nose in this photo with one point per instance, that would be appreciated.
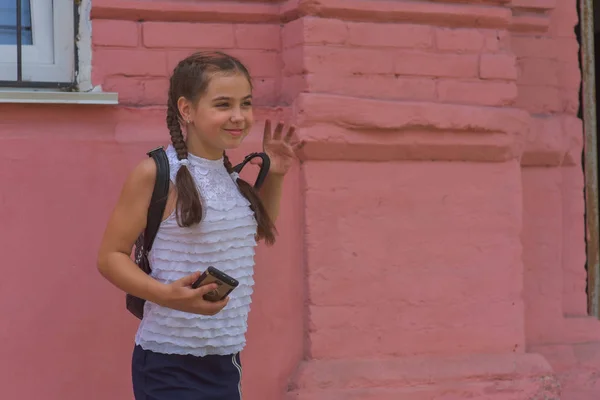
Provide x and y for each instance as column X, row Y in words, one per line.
column 237, row 116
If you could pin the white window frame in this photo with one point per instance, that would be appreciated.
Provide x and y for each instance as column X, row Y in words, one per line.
column 77, row 76
column 51, row 58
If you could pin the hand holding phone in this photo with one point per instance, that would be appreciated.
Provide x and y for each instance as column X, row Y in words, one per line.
column 225, row 284
column 180, row 295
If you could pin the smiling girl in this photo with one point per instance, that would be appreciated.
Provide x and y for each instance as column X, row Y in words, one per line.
column 187, row 347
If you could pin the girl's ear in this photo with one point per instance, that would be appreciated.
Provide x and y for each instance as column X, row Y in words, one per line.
column 185, row 108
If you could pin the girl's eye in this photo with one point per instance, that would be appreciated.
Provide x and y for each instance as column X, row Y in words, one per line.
column 221, row 105
column 248, row 104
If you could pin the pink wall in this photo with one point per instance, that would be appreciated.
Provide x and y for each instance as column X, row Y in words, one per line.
column 431, row 244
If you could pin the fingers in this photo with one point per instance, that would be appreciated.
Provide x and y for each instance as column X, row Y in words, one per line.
column 256, row 161
column 297, row 146
column 204, row 289
column 206, row 307
column 278, row 131
column 213, row 308
column 267, row 133
column 189, row 280
column 290, row 134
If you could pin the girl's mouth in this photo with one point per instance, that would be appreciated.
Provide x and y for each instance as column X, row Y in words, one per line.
column 235, row 132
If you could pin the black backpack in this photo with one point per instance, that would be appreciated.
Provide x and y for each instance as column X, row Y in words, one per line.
column 158, row 202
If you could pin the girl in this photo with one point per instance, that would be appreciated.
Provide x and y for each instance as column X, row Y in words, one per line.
column 187, row 347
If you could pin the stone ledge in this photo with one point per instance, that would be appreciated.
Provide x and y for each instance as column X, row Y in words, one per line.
column 488, row 15
column 541, row 5
column 416, row 370
column 546, row 388
column 563, row 357
column 524, row 376
column 529, row 23
column 345, row 128
column 571, row 330
column 165, row 10
column 388, row 115
column 554, row 141
column 577, row 366
column 441, row 14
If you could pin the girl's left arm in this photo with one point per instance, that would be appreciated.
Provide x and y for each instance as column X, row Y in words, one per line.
column 281, row 150
column 271, row 193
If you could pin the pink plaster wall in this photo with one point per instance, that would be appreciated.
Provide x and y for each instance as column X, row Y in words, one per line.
column 431, row 243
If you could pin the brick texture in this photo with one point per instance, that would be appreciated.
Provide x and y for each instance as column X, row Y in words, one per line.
column 389, row 35
column 459, row 40
column 262, row 37
column 182, row 35
column 498, row 66
column 130, row 62
column 537, row 71
column 374, row 86
column 436, row 65
column 477, row 92
column 115, row 33
column 135, row 59
column 346, row 60
column 310, row 30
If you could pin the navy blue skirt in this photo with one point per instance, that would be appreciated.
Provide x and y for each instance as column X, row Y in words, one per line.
column 158, row 376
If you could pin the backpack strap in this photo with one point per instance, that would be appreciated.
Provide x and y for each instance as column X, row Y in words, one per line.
column 160, row 194
column 264, row 168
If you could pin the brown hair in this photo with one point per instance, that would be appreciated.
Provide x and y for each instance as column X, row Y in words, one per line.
column 190, row 79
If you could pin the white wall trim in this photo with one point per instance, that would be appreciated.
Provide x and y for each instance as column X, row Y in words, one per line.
column 84, row 48
column 56, row 97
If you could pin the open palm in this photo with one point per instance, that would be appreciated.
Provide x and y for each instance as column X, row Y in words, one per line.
column 280, row 148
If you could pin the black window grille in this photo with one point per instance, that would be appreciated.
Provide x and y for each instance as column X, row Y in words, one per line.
column 19, row 30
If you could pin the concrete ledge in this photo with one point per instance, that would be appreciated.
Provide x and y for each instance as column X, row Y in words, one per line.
column 388, row 115
column 398, row 372
column 553, row 141
column 534, row 23
column 440, row 14
column 535, row 5
column 346, row 128
column 547, row 388
column 426, row 377
column 490, row 15
column 189, row 11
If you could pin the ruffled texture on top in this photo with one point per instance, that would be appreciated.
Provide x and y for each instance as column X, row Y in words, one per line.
column 224, row 239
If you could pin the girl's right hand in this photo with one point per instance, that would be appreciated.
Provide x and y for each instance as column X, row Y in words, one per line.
column 179, row 295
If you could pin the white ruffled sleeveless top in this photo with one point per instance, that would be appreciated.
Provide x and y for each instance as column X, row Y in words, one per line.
column 224, row 239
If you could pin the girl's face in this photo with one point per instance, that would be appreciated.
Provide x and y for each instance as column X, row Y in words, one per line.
column 222, row 117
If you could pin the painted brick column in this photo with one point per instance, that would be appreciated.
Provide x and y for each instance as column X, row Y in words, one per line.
column 557, row 324
column 413, row 202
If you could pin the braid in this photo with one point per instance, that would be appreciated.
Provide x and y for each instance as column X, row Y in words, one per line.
column 227, row 163
column 176, row 133
column 266, row 229
column 189, row 208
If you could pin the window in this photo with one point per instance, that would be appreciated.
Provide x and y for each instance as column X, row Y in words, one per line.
column 37, row 50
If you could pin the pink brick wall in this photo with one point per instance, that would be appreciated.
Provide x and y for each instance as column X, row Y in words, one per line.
column 432, row 241
column 136, row 58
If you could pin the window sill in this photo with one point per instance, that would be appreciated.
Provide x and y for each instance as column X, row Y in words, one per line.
column 53, row 97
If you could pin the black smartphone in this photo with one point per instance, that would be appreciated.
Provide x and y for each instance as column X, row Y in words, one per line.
column 225, row 284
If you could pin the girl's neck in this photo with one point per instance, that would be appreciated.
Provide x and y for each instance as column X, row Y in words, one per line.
column 199, row 149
